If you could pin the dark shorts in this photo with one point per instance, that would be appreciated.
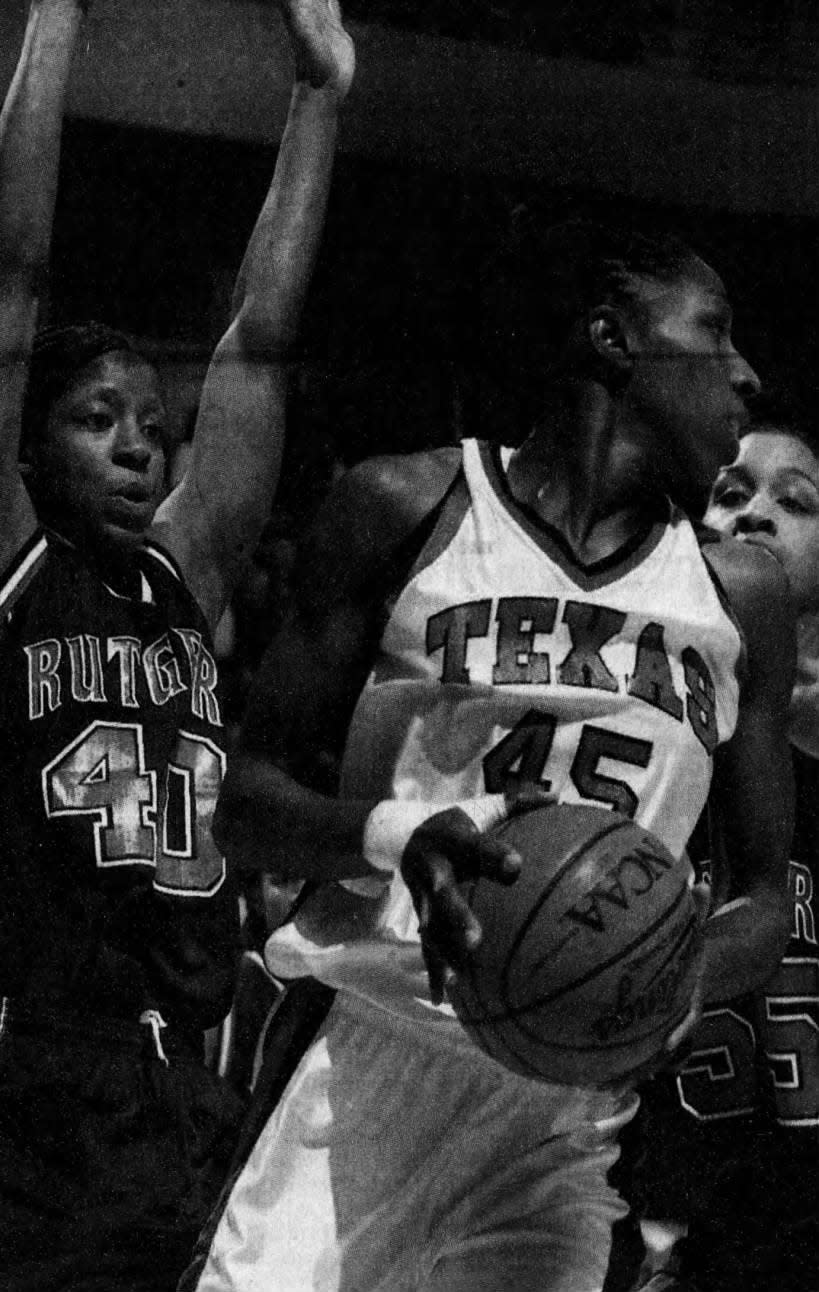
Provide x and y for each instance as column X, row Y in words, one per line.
column 671, row 1162
column 109, row 1158
column 746, row 1188
column 761, row 1232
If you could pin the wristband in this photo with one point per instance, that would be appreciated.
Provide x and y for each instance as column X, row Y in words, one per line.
column 391, row 823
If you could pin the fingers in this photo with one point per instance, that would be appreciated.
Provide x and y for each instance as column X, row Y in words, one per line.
column 452, row 835
column 449, row 930
column 701, row 894
column 491, row 858
column 682, row 1032
column 528, row 796
column 442, row 854
column 446, row 920
column 677, row 1044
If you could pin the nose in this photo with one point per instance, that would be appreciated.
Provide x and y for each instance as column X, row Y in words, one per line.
column 131, row 448
column 756, row 517
column 743, row 378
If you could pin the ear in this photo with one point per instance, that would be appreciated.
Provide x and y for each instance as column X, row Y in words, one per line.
column 609, row 338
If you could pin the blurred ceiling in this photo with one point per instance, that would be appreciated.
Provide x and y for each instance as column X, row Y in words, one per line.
column 676, row 101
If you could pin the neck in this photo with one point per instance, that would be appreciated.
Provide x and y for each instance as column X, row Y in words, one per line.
column 583, row 475
column 114, row 564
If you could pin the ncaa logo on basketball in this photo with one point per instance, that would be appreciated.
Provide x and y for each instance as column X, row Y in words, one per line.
column 631, row 877
column 589, row 960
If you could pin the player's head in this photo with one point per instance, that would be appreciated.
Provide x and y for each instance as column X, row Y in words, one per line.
column 640, row 313
column 93, row 442
column 769, row 496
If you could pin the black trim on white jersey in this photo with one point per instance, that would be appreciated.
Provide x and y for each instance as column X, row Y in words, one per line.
column 588, row 577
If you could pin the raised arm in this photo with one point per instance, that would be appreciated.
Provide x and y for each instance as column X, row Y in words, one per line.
column 214, row 518
column 30, row 136
column 752, row 792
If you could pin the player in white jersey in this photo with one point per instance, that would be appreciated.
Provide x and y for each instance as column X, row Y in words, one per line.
column 470, row 625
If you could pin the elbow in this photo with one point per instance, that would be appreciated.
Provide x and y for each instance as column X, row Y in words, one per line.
column 262, row 331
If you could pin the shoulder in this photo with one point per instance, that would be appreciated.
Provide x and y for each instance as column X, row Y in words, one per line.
column 757, row 590
column 755, row 584
column 374, row 510
column 405, row 488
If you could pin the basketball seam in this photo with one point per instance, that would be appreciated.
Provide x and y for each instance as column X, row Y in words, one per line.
column 516, row 1049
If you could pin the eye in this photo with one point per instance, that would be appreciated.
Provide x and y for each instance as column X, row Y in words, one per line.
column 719, row 325
column 96, row 420
column 730, row 496
column 795, row 506
column 155, row 432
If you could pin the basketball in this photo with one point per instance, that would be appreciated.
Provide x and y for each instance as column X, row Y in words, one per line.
column 588, row 960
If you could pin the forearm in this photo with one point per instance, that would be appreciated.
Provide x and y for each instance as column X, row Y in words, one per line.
column 265, row 820
column 744, row 942
column 214, row 520
column 275, row 274
column 30, row 135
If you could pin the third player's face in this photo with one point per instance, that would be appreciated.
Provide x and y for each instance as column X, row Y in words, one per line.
column 99, row 470
column 769, row 496
column 690, row 384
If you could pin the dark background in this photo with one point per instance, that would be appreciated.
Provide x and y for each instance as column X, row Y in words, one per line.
column 404, row 344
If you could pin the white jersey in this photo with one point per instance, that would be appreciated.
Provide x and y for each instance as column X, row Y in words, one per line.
column 504, row 660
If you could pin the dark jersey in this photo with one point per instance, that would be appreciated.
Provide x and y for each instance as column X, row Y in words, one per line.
column 762, row 1055
column 742, row 1116
column 115, row 898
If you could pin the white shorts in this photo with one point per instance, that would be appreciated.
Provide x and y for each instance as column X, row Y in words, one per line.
column 396, row 1162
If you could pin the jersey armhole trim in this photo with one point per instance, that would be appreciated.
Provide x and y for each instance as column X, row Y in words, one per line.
column 19, row 573
column 430, row 537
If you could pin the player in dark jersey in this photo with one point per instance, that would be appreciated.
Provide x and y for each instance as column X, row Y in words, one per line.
column 118, row 937
column 428, row 647
column 728, row 1150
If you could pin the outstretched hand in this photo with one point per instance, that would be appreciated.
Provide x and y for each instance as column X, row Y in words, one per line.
column 323, row 51
column 445, row 851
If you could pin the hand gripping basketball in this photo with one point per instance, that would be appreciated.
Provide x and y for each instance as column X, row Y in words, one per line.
column 588, row 969
column 443, row 852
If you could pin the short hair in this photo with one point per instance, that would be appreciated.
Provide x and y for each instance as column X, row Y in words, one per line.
column 57, row 355
column 777, row 410
column 551, row 277
column 586, row 264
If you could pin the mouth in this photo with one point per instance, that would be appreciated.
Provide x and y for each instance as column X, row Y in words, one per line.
column 752, row 540
column 133, row 508
column 134, row 493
